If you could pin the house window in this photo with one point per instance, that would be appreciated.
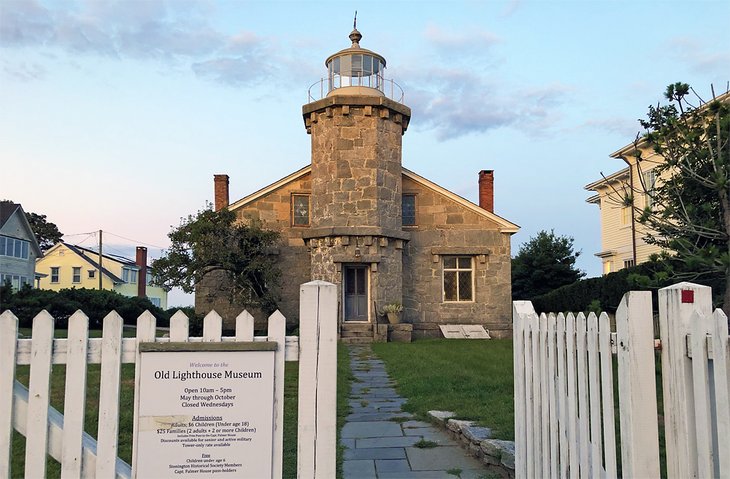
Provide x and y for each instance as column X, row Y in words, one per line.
column 16, row 281
column 649, row 184
column 458, row 278
column 15, row 248
column 628, row 263
column 129, row 275
column 300, row 210
column 155, row 301
column 76, row 275
column 92, row 273
column 409, row 209
column 54, row 274
column 626, row 215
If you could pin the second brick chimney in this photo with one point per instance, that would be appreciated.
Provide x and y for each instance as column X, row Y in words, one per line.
column 141, row 262
column 486, row 190
column 220, row 191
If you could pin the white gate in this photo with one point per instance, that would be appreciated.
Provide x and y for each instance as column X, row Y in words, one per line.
column 564, row 389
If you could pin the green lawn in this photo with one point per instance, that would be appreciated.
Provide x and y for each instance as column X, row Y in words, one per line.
column 472, row 378
column 127, row 413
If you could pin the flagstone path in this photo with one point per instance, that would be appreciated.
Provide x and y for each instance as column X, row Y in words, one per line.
column 381, row 439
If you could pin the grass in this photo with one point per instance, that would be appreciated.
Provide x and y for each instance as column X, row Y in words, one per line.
column 126, row 417
column 425, row 444
column 474, row 379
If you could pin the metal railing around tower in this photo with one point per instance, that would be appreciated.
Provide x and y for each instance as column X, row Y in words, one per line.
column 388, row 87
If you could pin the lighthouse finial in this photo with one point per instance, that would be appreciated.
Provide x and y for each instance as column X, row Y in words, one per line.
column 354, row 23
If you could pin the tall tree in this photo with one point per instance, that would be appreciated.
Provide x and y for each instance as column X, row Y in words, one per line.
column 232, row 257
column 544, row 263
column 46, row 233
column 689, row 211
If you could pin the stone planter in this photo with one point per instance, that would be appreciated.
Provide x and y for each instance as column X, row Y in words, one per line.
column 393, row 318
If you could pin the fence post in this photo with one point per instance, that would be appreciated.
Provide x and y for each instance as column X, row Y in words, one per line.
column 8, row 346
column 636, row 382
column 676, row 304
column 317, row 438
column 521, row 311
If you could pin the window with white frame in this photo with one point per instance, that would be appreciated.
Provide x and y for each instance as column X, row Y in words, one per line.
column 155, row 301
column 458, row 278
column 55, row 274
column 76, row 277
column 16, row 281
column 129, row 275
column 649, row 184
column 629, row 263
column 626, row 215
column 15, row 248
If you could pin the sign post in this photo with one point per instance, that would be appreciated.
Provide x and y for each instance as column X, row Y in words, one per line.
column 205, row 409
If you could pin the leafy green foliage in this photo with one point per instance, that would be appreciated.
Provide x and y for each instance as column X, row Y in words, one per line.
column 46, row 233
column 234, row 258
column 27, row 302
column 544, row 263
column 689, row 213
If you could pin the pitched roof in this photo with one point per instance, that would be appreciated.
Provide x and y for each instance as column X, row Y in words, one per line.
column 91, row 256
column 504, row 225
column 7, row 210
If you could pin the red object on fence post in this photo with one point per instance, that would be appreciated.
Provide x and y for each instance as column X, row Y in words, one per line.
column 688, row 296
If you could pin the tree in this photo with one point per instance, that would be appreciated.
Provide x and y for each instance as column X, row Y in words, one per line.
column 46, row 233
column 234, row 258
column 544, row 263
column 689, row 211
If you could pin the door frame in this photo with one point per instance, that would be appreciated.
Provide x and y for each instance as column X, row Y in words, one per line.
column 368, row 284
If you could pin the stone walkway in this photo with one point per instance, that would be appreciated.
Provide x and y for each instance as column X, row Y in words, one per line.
column 382, row 441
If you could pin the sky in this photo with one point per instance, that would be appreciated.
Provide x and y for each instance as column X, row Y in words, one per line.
column 115, row 115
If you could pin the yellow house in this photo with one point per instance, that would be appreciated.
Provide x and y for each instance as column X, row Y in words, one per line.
column 622, row 236
column 71, row 266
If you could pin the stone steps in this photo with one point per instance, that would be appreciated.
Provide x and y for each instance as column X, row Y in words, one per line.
column 356, row 340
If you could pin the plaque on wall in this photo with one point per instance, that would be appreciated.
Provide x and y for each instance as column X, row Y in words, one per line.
column 205, row 410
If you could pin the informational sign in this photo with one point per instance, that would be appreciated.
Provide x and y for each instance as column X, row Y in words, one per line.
column 203, row 413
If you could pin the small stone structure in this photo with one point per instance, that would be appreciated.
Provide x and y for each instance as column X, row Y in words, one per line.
column 497, row 455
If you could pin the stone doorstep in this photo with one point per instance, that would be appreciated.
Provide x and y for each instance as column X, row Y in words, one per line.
column 477, row 441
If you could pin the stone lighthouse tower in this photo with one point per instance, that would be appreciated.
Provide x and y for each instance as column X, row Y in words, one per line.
column 356, row 237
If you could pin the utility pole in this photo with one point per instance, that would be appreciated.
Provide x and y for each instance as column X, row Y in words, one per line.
column 100, row 256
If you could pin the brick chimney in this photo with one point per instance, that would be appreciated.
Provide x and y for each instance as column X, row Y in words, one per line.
column 141, row 262
column 486, row 190
column 221, row 191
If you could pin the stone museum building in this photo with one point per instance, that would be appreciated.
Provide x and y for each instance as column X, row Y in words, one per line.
column 383, row 234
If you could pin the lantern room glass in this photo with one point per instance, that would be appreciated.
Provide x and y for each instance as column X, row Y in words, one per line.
column 359, row 69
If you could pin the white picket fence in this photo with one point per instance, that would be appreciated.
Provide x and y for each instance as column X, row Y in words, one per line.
column 63, row 437
column 564, row 389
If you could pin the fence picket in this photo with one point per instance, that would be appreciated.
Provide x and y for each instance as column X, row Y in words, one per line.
column 244, row 326
column 562, row 398
column 38, row 399
column 536, row 393
column 594, row 395
column 179, row 327
column 8, row 347
column 636, row 379
column 529, row 398
column 73, row 420
column 703, row 427
column 544, row 398
column 584, row 439
column 609, row 425
column 721, row 364
column 109, row 387
column 519, row 312
column 277, row 333
column 552, row 389
column 212, row 327
column 572, row 397
column 146, row 330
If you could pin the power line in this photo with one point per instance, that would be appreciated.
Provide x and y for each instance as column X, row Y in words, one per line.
column 135, row 241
